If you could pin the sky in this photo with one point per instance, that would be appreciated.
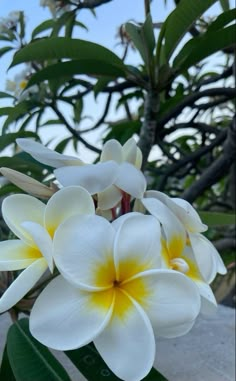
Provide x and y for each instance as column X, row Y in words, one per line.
column 102, row 29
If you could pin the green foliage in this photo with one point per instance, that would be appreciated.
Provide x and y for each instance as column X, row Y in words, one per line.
column 30, row 360
column 92, row 366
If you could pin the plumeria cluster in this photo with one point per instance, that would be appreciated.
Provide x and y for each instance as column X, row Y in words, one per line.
column 17, row 86
column 128, row 265
column 56, row 7
column 10, row 22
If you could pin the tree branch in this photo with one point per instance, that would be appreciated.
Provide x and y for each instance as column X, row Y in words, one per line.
column 217, row 169
column 189, row 100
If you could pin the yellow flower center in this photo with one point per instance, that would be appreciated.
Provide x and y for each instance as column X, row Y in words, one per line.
column 23, row 84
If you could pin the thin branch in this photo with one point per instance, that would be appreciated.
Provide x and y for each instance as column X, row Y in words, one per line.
column 215, row 78
column 101, row 120
column 89, row 4
column 189, row 100
column 74, row 132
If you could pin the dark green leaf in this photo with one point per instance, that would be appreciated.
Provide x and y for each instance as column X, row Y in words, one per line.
column 11, row 137
column 22, row 25
column 143, row 38
column 225, row 5
column 5, row 50
column 63, row 47
column 92, row 366
column 180, row 20
column 70, row 25
column 199, row 48
column 90, row 67
column 5, row 190
column 16, row 112
column 6, row 373
column 78, row 109
column 30, row 360
column 217, row 218
column 48, row 24
column 6, row 95
column 123, row 130
column 5, row 111
column 222, row 20
column 100, row 84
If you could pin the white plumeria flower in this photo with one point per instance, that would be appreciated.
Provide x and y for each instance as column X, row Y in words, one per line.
column 113, row 292
column 18, row 85
column 186, row 252
column 56, row 7
column 118, row 171
column 34, row 223
column 202, row 247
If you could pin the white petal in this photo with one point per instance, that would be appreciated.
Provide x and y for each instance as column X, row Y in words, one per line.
column 64, row 317
column 131, row 180
column 207, row 257
column 208, row 301
column 22, row 284
column 20, row 207
column 127, row 344
column 93, row 177
column 109, row 198
column 16, row 255
column 130, row 151
column 139, row 158
column 174, row 231
column 83, row 252
column 112, row 150
column 188, row 215
column 65, row 203
column 116, row 224
column 170, row 299
column 45, row 155
column 134, row 250
column 42, row 240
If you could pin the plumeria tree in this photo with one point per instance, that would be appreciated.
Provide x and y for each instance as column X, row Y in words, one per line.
column 96, row 252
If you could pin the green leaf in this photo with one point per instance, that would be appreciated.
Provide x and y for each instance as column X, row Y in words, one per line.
column 92, row 366
column 5, row 50
column 63, row 47
column 48, row 24
column 6, row 95
column 225, row 5
column 201, row 47
column 11, row 137
column 6, row 373
column 30, row 360
column 22, row 25
column 16, row 112
column 123, row 130
column 217, row 218
column 93, row 67
column 100, row 84
column 5, row 111
column 143, row 38
column 222, row 20
column 180, row 20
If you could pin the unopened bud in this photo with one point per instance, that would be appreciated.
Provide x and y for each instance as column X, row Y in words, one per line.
column 27, row 184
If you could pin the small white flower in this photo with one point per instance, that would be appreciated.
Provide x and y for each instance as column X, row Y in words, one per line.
column 18, row 85
column 189, row 253
column 112, row 292
column 117, row 173
column 34, row 223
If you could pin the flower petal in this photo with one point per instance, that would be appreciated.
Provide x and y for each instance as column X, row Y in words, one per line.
column 16, row 255
column 127, row 344
column 45, row 155
column 112, row 150
column 131, row 180
column 65, row 203
column 20, row 207
column 174, row 231
column 93, row 177
column 170, row 299
column 134, row 250
column 182, row 209
column 109, row 198
column 42, row 240
column 208, row 301
column 130, row 151
column 22, row 284
column 207, row 257
column 83, row 252
column 64, row 317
